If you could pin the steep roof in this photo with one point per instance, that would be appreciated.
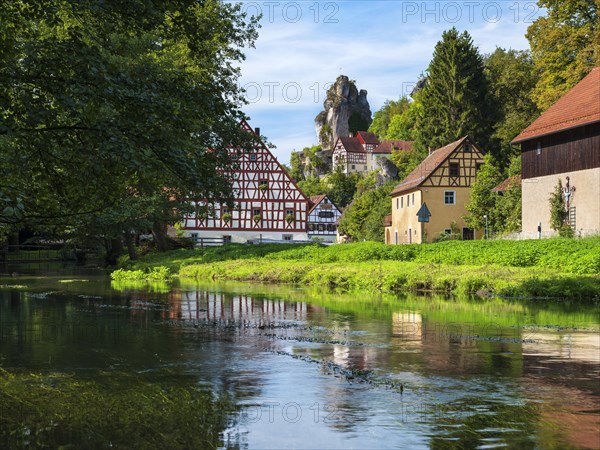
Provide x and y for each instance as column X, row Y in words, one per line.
column 580, row 106
column 389, row 146
column 315, row 200
column 427, row 167
column 509, row 182
column 352, row 144
column 366, row 137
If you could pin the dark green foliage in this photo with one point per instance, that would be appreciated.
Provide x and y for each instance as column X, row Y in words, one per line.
column 558, row 212
column 363, row 219
column 341, row 187
column 483, row 200
column 456, row 98
column 306, row 162
column 107, row 105
column 512, row 77
column 357, row 123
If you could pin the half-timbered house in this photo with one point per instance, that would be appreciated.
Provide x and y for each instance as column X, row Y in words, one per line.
column 359, row 153
column 563, row 144
column 268, row 204
column 442, row 182
column 323, row 217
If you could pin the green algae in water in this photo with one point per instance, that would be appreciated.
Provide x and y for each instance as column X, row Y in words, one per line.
column 61, row 410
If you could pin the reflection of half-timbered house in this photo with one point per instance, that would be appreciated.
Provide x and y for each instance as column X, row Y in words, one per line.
column 564, row 144
column 268, row 204
column 442, row 182
column 322, row 219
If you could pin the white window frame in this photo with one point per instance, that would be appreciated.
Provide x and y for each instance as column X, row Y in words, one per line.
column 453, row 198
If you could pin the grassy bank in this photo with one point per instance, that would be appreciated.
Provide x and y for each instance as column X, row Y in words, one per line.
column 548, row 268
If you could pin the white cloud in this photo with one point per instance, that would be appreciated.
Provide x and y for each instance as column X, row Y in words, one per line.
column 383, row 45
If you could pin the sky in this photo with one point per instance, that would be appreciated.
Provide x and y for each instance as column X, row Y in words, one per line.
column 384, row 45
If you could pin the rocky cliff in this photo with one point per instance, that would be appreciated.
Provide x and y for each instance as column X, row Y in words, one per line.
column 345, row 110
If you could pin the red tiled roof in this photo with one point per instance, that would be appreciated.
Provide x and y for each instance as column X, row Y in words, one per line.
column 509, row 182
column 427, row 166
column 579, row 106
column 366, row 137
column 389, row 146
column 314, row 200
column 352, row 144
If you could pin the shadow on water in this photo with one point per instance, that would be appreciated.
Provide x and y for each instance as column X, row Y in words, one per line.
column 94, row 364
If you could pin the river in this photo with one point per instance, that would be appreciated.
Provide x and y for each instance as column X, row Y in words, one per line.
column 302, row 368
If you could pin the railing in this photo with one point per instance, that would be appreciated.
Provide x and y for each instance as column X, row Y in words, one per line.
column 209, row 241
column 30, row 253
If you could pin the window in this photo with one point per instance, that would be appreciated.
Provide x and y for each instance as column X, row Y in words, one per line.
column 326, row 214
column 447, row 230
column 413, row 199
column 225, row 210
column 194, row 237
column 226, row 239
column 353, row 167
column 449, row 198
column 263, row 185
column 401, row 202
column 289, row 212
column 397, row 203
column 365, row 167
column 467, row 148
column 311, row 227
column 287, row 237
column 253, row 157
column 454, row 169
column 330, row 227
column 468, row 234
column 321, row 227
column 407, row 201
column 256, row 212
column 538, row 150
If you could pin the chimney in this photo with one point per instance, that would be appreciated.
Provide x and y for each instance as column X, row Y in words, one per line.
column 429, row 151
column 257, row 131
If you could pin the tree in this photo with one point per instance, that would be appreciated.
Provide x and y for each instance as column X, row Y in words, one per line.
column 483, row 201
column 341, row 187
column 456, row 99
column 512, row 77
column 106, row 103
column 558, row 213
column 565, row 45
column 363, row 219
column 383, row 117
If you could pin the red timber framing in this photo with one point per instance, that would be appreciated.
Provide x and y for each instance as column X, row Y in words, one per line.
column 266, row 198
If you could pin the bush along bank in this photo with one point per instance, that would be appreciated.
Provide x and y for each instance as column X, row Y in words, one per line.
column 558, row 268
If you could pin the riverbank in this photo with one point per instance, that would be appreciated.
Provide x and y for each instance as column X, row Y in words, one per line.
column 557, row 268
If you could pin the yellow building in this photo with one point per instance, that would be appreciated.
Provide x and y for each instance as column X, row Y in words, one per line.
column 442, row 182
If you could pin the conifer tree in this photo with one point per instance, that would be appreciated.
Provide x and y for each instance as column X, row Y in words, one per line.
column 456, row 99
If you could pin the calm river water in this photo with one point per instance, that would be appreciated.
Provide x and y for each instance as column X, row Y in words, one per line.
column 308, row 369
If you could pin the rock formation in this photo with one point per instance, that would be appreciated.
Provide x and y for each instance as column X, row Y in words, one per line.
column 387, row 172
column 346, row 110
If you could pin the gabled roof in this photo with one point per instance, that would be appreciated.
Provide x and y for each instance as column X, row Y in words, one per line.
column 315, row 200
column 389, row 146
column 366, row 137
column 580, row 106
column 352, row 144
column 427, row 167
column 509, row 182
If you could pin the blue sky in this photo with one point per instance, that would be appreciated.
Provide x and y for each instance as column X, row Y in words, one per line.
column 382, row 44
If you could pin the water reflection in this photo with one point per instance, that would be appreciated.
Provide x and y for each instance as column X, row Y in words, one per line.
column 318, row 369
